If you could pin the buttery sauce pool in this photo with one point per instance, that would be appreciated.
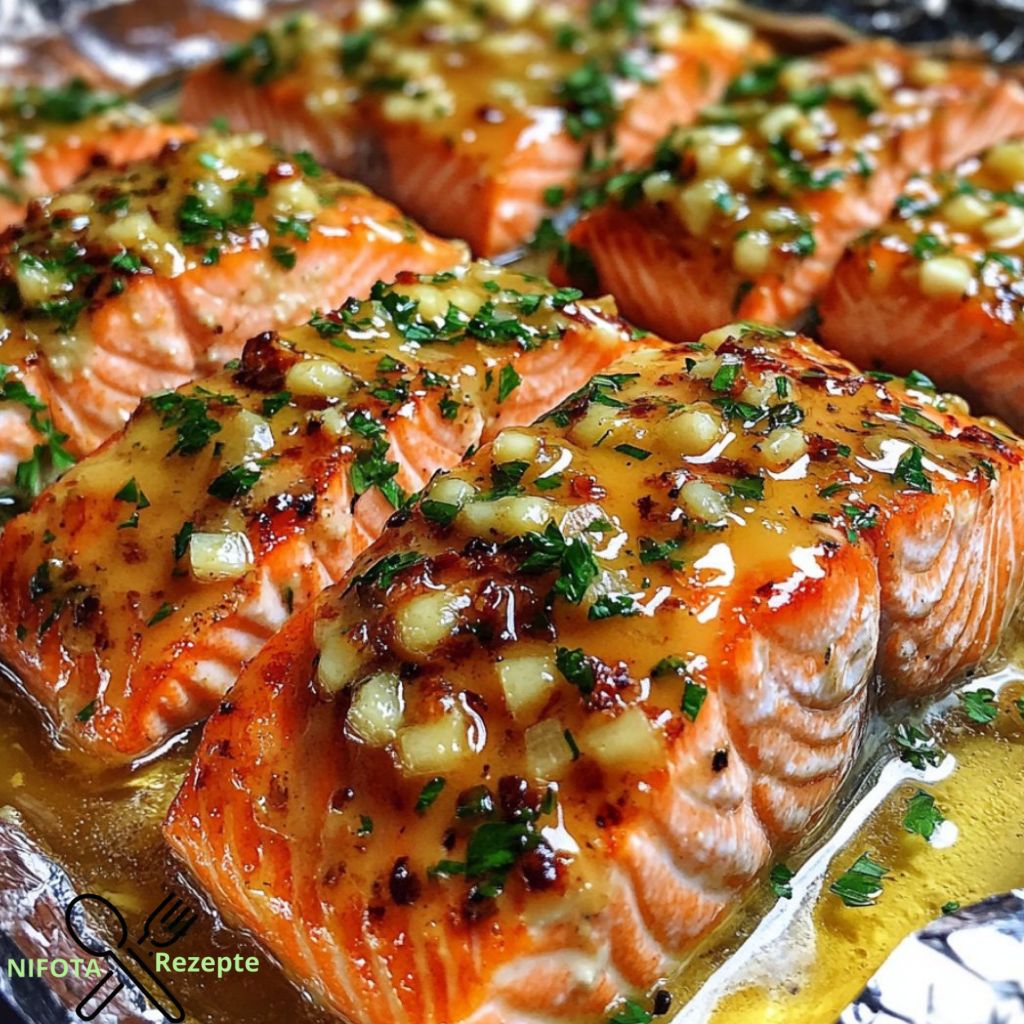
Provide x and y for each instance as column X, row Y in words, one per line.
column 104, row 828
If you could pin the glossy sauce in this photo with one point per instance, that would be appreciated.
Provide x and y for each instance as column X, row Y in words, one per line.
column 964, row 231
column 490, row 77
column 759, row 176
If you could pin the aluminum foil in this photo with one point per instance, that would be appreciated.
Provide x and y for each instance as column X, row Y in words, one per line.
column 966, row 968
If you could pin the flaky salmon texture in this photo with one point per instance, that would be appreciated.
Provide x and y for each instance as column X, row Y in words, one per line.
column 470, row 115
column 51, row 136
column 135, row 588
column 143, row 278
column 941, row 284
column 747, row 213
column 559, row 718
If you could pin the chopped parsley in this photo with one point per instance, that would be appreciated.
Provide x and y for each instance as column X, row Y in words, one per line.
column 861, row 884
column 694, row 695
column 980, row 705
column 910, row 471
column 577, row 669
column 780, row 878
column 430, row 792
column 922, row 817
column 916, row 747
column 236, row 481
column 508, row 381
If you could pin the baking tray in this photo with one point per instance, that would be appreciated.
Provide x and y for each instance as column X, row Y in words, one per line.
column 966, row 968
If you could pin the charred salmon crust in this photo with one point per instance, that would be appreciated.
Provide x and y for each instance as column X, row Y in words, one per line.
column 50, row 137
column 940, row 285
column 468, row 120
column 144, row 278
column 135, row 588
column 556, row 721
column 747, row 213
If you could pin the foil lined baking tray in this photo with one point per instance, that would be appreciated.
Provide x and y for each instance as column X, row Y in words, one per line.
column 966, row 968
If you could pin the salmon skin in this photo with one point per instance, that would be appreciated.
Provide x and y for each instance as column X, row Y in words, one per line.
column 50, row 137
column 138, row 584
column 941, row 285
column 142, row 279
column 472, row 116
column 747, row 213
column 556, row 721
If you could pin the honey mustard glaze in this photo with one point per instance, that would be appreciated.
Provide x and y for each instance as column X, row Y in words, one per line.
column 522, row 654
column 207, row 482
column 578, row 537
column 965, row 229
column 35, row 120
column 488, row 76
column 193, row 205
column 757, row 178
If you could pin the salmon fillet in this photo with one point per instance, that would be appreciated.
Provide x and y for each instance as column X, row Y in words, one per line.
column 939, row 285
column 137, row 585
column 556, row 721
column 747, row 214
column 466, row 115
column 142, row 279
column 50, row 137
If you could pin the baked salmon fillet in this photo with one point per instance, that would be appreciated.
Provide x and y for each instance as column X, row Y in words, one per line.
column 137, row 585
column 470, row 115
column 51, row 136
column 558, row 719
column 142, row 279
column 941, row 285
column 748, row 213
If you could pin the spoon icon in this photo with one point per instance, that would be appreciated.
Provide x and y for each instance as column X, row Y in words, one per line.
column 164, row 1002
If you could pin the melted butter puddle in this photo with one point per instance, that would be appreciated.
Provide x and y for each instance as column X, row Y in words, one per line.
column 821, row 953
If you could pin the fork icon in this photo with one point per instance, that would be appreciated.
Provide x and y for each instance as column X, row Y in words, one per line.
column 176, row 920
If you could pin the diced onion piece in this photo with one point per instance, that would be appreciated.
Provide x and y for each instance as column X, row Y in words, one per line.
column 450, row 490
column 696, row 202
column 340, row 659
column 659, row 187
column 691, row 431
column 779, row 120
column 219, row 556
column 514, row 446
column 295, row 198
column 925, row 72
column 245, row 436
column 752, row 253
column 435, row 746
column 425, row 621
column 318, row 378
column 734, row 34
column 526, row 680
column 711, row 340
column 966, row 211
column 1007, row 228
column 377, row 707
column 548, row 753
column 701, row 501
column 1007, row 160
column 625, row 743
column 785, row 445
column 512, row 11
column 945, row 277
column 740, row 165
column 333, row 421
column 511, row 516
column 595, row 423
column 758, row 393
